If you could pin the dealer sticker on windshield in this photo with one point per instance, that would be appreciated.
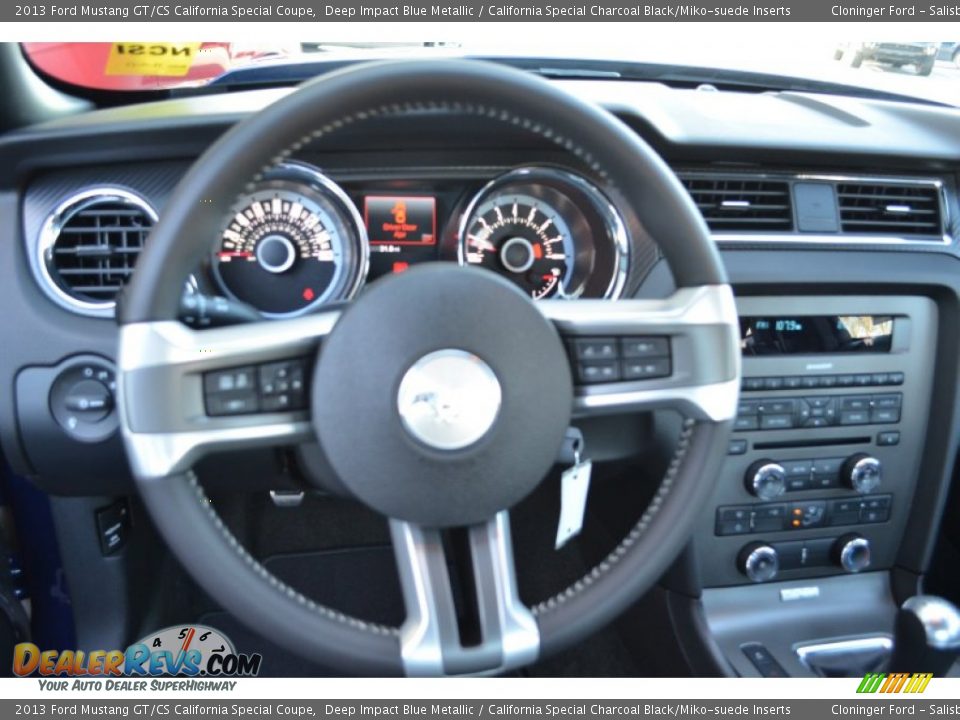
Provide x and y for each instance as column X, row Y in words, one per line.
column 154, row 58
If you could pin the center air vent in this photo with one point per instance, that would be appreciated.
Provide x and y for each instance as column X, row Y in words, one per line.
column 890, row 208
column 741, row 204
column 90, row 244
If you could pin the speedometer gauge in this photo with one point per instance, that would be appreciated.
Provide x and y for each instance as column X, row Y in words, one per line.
column 553, row 233
column 291, row 244
column 526, row 237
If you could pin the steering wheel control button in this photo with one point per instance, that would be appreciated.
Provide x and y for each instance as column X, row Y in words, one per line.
column 599, row 372
column 82, row 401
column 449, row 421
column 270, row 387
column 282, row 386
column 596, row 349
column 231, row 392
column 449, row 399
column 605, row 360
column 645, row 347
column 759, row 562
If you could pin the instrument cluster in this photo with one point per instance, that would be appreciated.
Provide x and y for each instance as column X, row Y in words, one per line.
column 298, row 240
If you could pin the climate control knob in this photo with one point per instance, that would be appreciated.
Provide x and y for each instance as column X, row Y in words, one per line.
column 766, row 479
column 852, row 553
column 862, row 472
column 759, row 562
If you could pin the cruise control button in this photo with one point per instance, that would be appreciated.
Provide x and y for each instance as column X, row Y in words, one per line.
column 645, row 347
column 598, row 372
column 596, row 348
column 644, row 369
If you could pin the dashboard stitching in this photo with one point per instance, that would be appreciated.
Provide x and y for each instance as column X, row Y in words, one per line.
column 274, row 581
column 683, row 444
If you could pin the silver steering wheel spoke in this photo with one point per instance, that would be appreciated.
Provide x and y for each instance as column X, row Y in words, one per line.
column 430, row 638
column 700, row 377
column 167, row 425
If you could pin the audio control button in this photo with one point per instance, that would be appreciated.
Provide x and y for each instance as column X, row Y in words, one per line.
column 776, row 422
column 862, row 472
column 759, row 562
column 885, row 416
column 766, row 479
column 852, row 553
column 797, row 468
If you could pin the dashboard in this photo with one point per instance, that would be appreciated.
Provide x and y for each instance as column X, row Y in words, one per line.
column 837, row 220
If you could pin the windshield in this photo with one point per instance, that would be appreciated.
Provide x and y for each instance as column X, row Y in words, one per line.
column 923, row 70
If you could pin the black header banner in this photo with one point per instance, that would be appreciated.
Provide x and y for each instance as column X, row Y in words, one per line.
column 475, row 10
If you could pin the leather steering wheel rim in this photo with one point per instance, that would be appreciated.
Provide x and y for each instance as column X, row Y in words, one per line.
column 174, row 500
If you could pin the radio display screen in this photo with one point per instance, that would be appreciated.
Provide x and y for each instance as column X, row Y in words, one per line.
column 815, row 334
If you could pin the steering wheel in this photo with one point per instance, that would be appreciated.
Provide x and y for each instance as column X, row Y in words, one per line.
column 494, row 356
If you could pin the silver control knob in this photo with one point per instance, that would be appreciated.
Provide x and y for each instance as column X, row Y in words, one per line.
column 759, row 562
column 852, row 553
column 766, row 479
column 862, row 472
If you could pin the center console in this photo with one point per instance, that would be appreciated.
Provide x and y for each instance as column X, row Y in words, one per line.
column 827, row 441
column 813, row 499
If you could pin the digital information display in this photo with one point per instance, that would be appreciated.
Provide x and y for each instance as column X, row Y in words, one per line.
column 399, row 220
column 815, row 334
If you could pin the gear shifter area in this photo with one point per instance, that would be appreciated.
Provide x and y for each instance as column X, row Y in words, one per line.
column 926, row 636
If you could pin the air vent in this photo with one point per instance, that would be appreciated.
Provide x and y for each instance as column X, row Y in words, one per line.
column 880, row 208
column 741, row 204
column 90, row 244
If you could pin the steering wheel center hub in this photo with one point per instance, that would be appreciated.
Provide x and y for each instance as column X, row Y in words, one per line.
column 442, row 396
column 449, row 399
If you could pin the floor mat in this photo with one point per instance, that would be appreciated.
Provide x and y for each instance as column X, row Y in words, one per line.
column 361, row 579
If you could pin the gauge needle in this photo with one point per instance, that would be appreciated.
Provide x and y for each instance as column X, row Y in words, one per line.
column 232, row 254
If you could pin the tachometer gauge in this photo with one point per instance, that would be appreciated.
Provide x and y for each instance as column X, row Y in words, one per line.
column 551, row 232
column 291, row 244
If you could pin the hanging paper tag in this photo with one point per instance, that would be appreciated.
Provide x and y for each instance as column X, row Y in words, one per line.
column 574, row 487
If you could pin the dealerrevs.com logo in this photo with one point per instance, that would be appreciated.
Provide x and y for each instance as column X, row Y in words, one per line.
column 894, row 682
column 184, row 651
